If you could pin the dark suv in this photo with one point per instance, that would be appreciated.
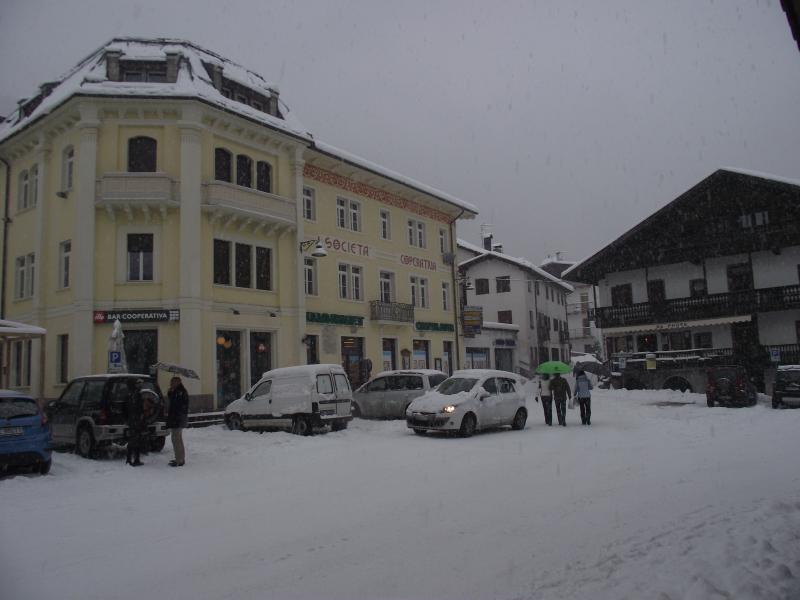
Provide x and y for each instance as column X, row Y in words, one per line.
column 730, row 386
column 92, row 412
column 786, row 390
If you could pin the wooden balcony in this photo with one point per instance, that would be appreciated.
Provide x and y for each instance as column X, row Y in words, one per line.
column 391, row 312
column 703, row 307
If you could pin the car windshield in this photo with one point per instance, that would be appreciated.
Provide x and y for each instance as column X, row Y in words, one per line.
column 729, row 373
column 455, row 385
column 17, row 407
column 789, row 376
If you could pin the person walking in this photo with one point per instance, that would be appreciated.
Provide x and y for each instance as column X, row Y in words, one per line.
column 177, row 419
column 559, row 388
column 135, row 421
column 583, row 387
column 547, row 398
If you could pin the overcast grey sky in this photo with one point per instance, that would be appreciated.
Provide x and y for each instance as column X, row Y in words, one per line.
column 564, row 122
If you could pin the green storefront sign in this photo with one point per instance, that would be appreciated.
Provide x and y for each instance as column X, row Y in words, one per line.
column 423, row 326
column 332, row 319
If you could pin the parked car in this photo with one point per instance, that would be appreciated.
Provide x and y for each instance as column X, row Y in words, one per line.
column 24, row 433
column 786, row 390
column 388, row 394
column 295, row 398
column 729, row 385
column 92, row 410
column 470, row 400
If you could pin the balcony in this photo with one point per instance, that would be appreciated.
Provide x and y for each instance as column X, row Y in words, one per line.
column 703, row 307
column 580, row 332
column 391, row 312
column 242, row 206
column 136, row 192
column 563, row 336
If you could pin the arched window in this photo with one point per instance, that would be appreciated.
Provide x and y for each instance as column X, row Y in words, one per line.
column 22, row 198
column 222, row 165
column 141, row 155
column 67, row 164
column 263, row 176
column 244, row 170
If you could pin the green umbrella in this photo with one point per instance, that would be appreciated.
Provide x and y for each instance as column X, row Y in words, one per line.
column 553, row 366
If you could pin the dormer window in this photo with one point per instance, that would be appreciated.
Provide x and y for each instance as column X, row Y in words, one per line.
column 145, row 71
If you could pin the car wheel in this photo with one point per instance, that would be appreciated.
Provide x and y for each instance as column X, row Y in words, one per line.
column 44, row 468
column 776, row 403
column 157, row 443
column 234, row 422
column 468, row 425
column 84, row 442
column 710, row 401
column 355, row 410
column 301, row 426
column 519, row 419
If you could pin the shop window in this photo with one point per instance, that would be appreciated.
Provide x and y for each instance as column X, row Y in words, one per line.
column 421, row 355
column 222, row 165
column 312, row 349
column 481, row 286
column 309, row 204
column 244, row 170
column 680, row 340
column 229, row 366
column 260, row 355
column 503, row 284
column 141, row 349
column 263, row 176
column 141, row 155
column 504, row 316
column 477, row 358
column 622, row 295
column 703, row 340
column 697, row 288
column 647, row 343
column 140, row 257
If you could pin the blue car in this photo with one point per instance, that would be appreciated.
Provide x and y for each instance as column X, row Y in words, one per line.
column 24, row 433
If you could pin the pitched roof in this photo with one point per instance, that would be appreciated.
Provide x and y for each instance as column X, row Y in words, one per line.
column 522, row 263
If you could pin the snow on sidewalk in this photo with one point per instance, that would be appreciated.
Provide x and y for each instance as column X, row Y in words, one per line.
column 661, row 498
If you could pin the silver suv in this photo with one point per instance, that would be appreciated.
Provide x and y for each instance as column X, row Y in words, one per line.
column 388, row 394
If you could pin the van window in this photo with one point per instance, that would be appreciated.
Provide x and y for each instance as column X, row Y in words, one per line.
column 342, row 384
column 324, row 384
column 262, row 389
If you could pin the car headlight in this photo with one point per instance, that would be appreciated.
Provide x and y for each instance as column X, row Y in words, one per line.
column 450, row 408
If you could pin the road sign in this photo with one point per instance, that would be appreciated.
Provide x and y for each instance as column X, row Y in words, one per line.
column 775, row 355
column 114, row 361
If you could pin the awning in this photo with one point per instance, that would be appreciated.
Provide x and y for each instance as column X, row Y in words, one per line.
column 20, row 330
column 656, row 327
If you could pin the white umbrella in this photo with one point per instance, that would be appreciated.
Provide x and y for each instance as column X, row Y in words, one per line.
column 116, row 344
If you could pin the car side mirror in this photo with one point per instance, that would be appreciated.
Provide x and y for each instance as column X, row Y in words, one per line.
column 248, row 397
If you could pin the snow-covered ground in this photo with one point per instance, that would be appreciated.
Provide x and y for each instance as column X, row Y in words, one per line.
column 661, row 502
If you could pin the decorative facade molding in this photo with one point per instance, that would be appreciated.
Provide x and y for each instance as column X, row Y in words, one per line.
column 368, row 191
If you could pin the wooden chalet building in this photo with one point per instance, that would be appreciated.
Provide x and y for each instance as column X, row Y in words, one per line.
column 713, row 275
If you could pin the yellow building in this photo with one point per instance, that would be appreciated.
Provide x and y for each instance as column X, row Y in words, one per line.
column 162, row 185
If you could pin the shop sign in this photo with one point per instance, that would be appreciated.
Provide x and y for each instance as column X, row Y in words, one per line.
column 419, row 263
column 345, row 246
column 147, row 315
column 472, row 320
column 332, row 319
column 424, row 326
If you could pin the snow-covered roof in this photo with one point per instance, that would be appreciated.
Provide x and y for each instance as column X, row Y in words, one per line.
column 470, row 247
column 761, row 175
column 89, row 78
column 326, row 148
column 520, row 262
column 503, row 326
column 15, row 329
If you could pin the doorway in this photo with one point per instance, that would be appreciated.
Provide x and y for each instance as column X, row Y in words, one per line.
column 229, row 366
column 421, row 356
column 504, row 359
column 141, row 349
column 389, row 356
column 352, row 355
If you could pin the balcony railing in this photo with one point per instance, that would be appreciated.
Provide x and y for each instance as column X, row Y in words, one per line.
column 580, row 332
column 394, row 312
column 703, row 307
column 242, row 202
column 787, row 354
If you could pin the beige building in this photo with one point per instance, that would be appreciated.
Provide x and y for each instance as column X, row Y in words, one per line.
column 162, row 185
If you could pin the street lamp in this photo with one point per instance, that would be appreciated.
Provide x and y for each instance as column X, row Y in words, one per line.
column 319, row 249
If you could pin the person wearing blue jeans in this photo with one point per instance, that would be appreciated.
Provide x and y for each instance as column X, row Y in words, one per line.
column 583, row 387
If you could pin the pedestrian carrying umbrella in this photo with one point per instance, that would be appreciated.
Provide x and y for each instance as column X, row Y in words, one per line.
column 177, row 369
column 595, row 368
column 553, row 366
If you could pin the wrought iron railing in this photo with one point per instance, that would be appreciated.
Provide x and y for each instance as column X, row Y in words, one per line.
column 702, row 307
column 391, row 311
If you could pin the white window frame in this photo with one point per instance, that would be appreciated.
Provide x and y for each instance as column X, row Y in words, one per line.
column 386, row 283
column 355, row 215
column 34, row 187
column 30, row 260
column 385, row 227
column 341, row 212
column 122, row 252
column 350, row 282
column 348, row 214
column 64, row 255
column 419, row 291
column 309, row 204
column 23, row 190
column 444, row 242
column 67, row 169
column 20, row 272
column 445, row 296
column 310, row 276
column 140, row 278
column 416, row 233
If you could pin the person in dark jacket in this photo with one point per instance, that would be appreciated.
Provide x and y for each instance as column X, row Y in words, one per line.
column 560, row 390
column 177, row 419
column 547, row 398
column 136, row 423
column 583, row 392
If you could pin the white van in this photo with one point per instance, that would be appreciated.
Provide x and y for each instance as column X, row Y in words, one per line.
column 295, row 398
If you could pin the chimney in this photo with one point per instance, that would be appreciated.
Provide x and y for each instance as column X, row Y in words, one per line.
column 497, row 248
column 173, row 60
column 487, row 242
column 273, row 100
column 112, row 64
column 558, row 256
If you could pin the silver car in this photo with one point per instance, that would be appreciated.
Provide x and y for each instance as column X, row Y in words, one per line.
column 388, row 394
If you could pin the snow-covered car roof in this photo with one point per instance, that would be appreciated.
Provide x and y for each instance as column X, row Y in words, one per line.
column 300, row 370
column 789, row 368
column 114, row 375
column 13, row 394
column 482, row 373
column 409, row 372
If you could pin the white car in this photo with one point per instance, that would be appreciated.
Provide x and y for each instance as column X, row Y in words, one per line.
column 470, row 400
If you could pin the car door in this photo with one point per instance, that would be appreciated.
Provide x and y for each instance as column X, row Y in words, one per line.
column 344, row 395
column 63, row 413
column 258, row 411
column 326, row 395
column 488, row 407
column 370, row 397
column 400, row 395
column 508, row 399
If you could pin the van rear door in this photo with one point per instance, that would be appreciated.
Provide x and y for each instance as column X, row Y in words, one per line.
column 344, row 395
